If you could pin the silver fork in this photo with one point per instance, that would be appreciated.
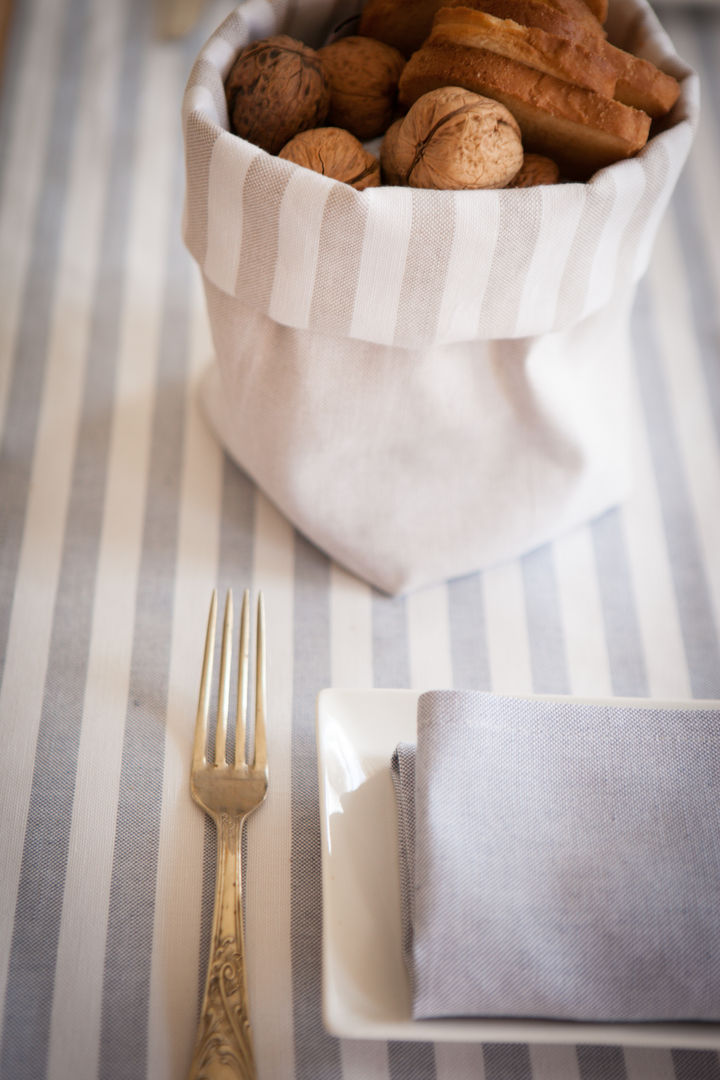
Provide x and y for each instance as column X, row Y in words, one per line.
column 228, row 792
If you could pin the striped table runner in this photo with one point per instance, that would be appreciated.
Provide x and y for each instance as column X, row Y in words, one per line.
column 118, row 513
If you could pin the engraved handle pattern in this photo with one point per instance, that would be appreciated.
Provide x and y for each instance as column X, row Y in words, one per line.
column 223, row 1049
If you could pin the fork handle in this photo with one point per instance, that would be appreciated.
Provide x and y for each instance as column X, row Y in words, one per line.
column 223, row 1048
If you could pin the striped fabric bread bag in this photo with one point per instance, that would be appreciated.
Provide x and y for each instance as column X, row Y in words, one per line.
column 424, row 382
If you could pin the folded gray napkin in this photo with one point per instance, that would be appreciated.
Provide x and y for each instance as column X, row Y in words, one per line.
column 560, row 860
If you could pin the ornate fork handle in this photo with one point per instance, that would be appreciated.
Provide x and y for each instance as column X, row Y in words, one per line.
column 223, row 1050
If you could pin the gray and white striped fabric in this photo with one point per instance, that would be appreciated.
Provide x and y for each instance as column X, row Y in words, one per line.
column 118, row 513
column 423, row 382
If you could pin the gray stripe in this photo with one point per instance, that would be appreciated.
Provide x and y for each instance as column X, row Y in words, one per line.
column 17, row 442
column 317, row 1055
column 391, row 659
column 468, row 635
column 628, row 675
column 411, row 1061
column 578, row 269
column 331, row 308
column 506, row 279
column 128, row 950
column 35, row 934
column 13, row 61
column 601, row 1063
column 548, row 659
column 428, row 254
column 700, row 636
column 506, row 1061
column 258, row 253
column 201, row 137
column 696, row 1065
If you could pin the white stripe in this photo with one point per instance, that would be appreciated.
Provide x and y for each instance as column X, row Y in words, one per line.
column 382, row 264
column 471, row 254
column 362, row 1060
column 603, row 273
column 267, row 888
column 429, row 638
column 198, row 98
column 25, row 149
column 553, row 1062
column 75, row 1028
column 300, row 219
column 260, row 17
column 351, row 667
column 682, row 368
column 507, row 632
column 30, row 626
column 176, row 935
column 219, row 52
column 229, row 162
column 581, row 614
column 459, row 1061
column 657, row 612
column 648, row 1063
column 351, row 658
column 562, row 206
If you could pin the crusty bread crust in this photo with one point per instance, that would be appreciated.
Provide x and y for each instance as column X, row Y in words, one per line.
column 537, row 13
column 599, row 9
column 530, row 45
column 581, row 130
column 402, row 23
column 638, row 82
column 593, row 14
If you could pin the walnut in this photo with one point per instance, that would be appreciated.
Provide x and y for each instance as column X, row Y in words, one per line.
column 453, row 138
column 276, row 88
column 391, row 171
column 363, row 76
column 536, row 169
column 335, row 153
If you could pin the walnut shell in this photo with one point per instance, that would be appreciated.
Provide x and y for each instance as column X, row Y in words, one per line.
column 276, row 88
column 536, row 169
column 363, row 76
column 335, row 153
column 389, row 164
column 454, row 139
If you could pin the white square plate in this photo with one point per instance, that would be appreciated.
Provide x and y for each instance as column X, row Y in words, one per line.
column 366, row 992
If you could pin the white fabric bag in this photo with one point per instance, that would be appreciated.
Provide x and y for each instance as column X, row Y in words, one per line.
column 423, row 382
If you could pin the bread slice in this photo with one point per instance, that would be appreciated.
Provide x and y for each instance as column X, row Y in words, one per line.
column 537, row 48
column 638, row 82
column 537, row 13
column 579, row 129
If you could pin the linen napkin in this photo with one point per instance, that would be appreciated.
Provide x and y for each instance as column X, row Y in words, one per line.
column 560, row 860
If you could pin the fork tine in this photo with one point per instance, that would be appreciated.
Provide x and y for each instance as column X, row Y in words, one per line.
column 224, row 688
column 260, row 754
column 242, row 693
column 201, row 719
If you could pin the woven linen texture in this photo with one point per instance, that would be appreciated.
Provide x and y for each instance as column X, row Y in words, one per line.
column 560, row 859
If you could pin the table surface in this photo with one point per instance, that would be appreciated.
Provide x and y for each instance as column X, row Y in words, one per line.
column 118, row 515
